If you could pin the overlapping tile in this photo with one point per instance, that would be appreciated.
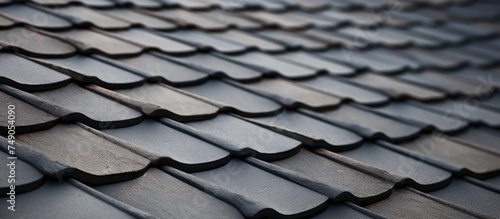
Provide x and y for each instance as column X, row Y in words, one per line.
column 31, row 42
column 136, row 18
column 33, row 16
column 80, row 15
column 27, row 178
column 319, row 63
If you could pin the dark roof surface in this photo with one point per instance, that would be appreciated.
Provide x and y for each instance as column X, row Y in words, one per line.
column 251, row 108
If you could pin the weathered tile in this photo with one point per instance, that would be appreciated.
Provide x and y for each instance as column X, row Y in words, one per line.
column 486, row 77
column 416, row 39
column 470, row 30
column 424, row 16
column 313, row 61
column 492, row 102
column 393, row 56
column 91, row 3
column 335, row 39
column 292, row 39
column 342, row 88
column 251, row 40
column 232, row 98
column 137, row 18
column 216, row 65
column 33, row 43
column 206, row 41
column 345, row 210
column 71, row 202
column 5, row 22
column 362, row 18
column 368, row 124
column 273, row 64
column 156, row 67
column 274, row 19
column 167, row 101
column 310, row 131
column 363, row 60
column 240, row 137
column 28, row 117
column 26, row 177
column 77, row 151
column 465, row 54
column 141, row 3
column 408, row 203
column 291, row 94
column 441, row 34
column 256, row 193
column 75, row 103
column 396, row 88
column 451, row 155
column 382, row 36
column 450, row 84
column 26, row 75
column 422, row 117
column 189, row 19
column 313, row 19
column 414, row 172
column 90, row 71
column 81, row 15
column 328, row 176
column 428, row 58
column 309, row 5
column 470, row 196
column 164, row 196
column 168, row 146
column 89, row 41
column 231, row 19
column 34, row 17
column 481, row 136
column 467, row 109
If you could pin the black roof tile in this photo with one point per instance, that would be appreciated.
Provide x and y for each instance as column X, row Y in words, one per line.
column 153, row 40
column 440, row 34
column 251, row 40
column 422, row 117
column 409, row 203
column 363, row 61
column 232, row 98
column 382, row 36
column 219, row 66
column 140, row 3
column 392, row 56
column 164, row 196
column 451, row 155
column 78, row 104
column 34, row 17
column 335, row 39
column 310, row 131
column 367, row 123
column 465, row 54
column 423, row 16
column 291, row 94
column 342, row 88
column 91, row 3
column 167, row 101
column 292, row 39
column 396, row 88
column 270, row 63
column 317, row 62
column 415, row 173
column 355, row 17
column 244, row 189
column 238, row 137
column 314, row 172
column 19, row 72
column 81, row 15
column 485, row 76
column 450, row 84
column 274, row 19
column 493, row 102
column 89, row 41
column 342, row 210
column 172, row 147
column 470, row 30
column 308, row 5
column 33, row 43
column 89, row 70
column 207, row 41
column 27, row 178
column 156, row 67
column 189, row 19
column 462, row 108
column 232, row 19
column 481, row 136
column 71, row 202
column 93, row 160
column 137, row 18
column 313, row 19
column 470, row 196
column 418, row 40
column 428, row 58
column 189, row 4
column 29, row 118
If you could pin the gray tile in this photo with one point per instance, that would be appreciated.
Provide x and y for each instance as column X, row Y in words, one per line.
column 90, row 71
column 234, row 99
column 240, row 137
column 342, row 88
column 481, row 136
column 26, row 179
column 34, row 17
column 164, row 196
column 232, row 19
column 257, row 193
column 81, row 15
column 275, row 19
column 340, row 210
column 428, row 58
column 5, row 22
column 207, row 41
column 71, row 202
column 190, row 19
column 310, row 131
column 319, row 63
column 167, row 101
column 171, row 147
column 467, row 109
column 292, row 94
column 292, row 39
column 157, row 68
column 89, row 41
column 137, row 18
column 251, row 40
column 26, row 75
column 76, row 103
column 363, row 61
column 77, row 151
column 152, row 40
column 415, row 173
column 29, row 42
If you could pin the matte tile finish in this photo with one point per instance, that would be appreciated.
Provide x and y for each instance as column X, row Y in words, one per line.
column 33, row 43
column 89, row 41
column 27, row 178
column 29, row 15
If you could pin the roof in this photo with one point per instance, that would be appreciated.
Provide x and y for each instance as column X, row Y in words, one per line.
column 250, row 108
